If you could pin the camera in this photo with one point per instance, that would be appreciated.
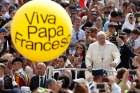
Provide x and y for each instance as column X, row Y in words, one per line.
column 102, row 87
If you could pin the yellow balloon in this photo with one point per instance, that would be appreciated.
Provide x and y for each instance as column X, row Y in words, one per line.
column 41, row 30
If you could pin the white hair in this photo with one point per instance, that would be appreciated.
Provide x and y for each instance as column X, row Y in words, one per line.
column 101, row 33
column 41, row 64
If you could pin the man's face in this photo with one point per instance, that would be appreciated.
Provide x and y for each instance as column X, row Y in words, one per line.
column 3, row 11
column 77, row 23
column 60, row 62
column 112, row 29
column 41, row 69
column 56, row 86
column 13, row 13
column 134, row 36
column 7, row 5
column 17, row 66
column 2, row 34
column 101, row 39
column 93, row 34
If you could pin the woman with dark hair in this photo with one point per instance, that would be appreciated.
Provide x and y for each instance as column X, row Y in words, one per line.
column 122, row 79
column 80, row 53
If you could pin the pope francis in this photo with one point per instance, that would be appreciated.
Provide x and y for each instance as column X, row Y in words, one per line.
column 102, row 54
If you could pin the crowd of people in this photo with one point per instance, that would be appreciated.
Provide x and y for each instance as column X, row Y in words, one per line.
column 103, row 56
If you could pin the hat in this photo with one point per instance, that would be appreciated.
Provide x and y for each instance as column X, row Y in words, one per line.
column 2, row 30
column 100, row 72
column 19, row 60
column 2, row 65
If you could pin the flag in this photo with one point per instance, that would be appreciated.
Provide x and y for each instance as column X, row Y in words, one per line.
column 82, row 3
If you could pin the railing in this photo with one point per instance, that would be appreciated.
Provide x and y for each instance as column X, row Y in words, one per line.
column 51, row 71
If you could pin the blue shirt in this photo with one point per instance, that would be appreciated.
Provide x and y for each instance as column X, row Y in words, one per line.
column 78, row 35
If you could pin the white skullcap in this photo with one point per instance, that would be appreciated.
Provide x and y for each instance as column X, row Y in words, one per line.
column 101, row 33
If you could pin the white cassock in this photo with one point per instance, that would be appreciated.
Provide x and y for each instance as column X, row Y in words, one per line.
column 100, row 57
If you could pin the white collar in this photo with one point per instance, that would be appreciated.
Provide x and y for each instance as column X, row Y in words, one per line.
column 42, row 76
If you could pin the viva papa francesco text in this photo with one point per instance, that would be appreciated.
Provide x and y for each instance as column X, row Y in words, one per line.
column 47, row 32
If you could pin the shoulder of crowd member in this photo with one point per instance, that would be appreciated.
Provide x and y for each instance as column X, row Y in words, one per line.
column 110, row 43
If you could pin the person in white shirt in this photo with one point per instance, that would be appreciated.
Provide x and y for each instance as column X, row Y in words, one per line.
column 129, row 22
column 135, row 36
column 102, row 54
column 77, row 34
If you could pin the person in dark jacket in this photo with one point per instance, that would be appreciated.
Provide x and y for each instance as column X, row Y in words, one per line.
column 39, row 80
column 125, row 51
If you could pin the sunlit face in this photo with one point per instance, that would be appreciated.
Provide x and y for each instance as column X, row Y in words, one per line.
column 17, row 66
column 101, row 39
column 60, row 62
column 79, row 49
column 133, row 36
column 136, row 61
column 41, row 69
column 77, row 23
column 131, row 19
column 129, row 9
